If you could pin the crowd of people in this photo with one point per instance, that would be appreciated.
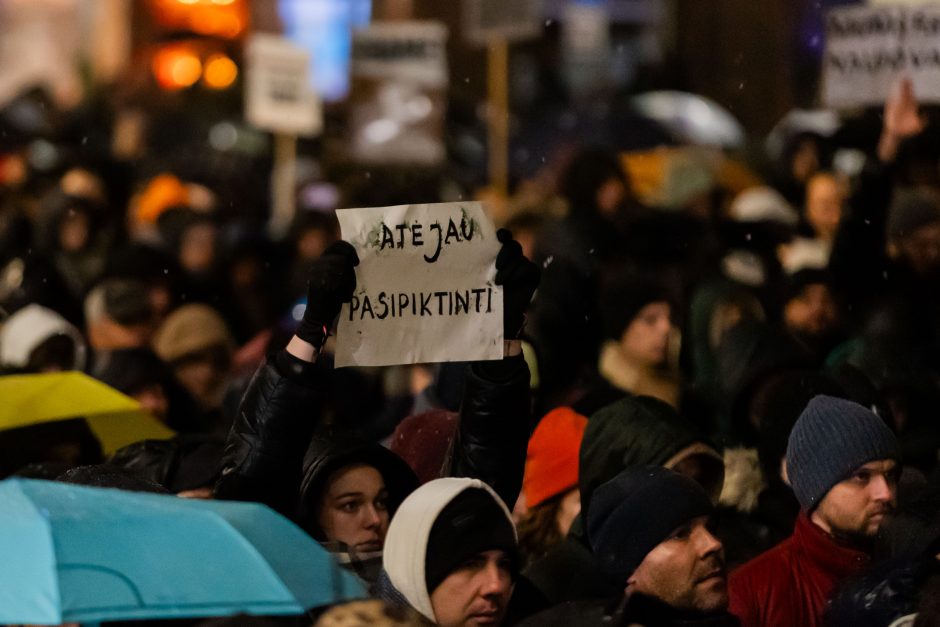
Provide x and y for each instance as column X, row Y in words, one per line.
column 717, row 405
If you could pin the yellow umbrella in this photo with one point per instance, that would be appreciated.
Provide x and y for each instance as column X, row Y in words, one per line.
column 115, row 419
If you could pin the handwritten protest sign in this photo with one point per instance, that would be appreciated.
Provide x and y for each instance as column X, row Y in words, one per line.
column 425, row 288
column 869, row 48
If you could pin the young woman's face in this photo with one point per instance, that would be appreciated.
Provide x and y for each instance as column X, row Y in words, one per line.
column 646, row 339
column 354, row 508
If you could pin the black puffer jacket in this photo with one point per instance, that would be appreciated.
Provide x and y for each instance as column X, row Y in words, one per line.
column 265, row 452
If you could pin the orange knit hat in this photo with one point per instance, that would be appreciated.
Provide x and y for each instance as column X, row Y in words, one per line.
column 551, row 465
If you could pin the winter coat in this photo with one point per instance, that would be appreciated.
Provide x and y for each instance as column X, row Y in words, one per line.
column 882, row 594
column 265, row 452
column 630, row 432
column 791, row 583
column 638, row 611
column 568, row 571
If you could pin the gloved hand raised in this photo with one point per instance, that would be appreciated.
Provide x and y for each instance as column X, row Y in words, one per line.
column 519, row 278
column 330, row 283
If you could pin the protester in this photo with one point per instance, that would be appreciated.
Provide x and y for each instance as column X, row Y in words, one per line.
column 143, row 376
column 634, row 431
column 810, row 311
column 649, row 531
column 550, row 484
column 845, row 493
column 37, row 339
column 118, row 315
column 196, row 343
column 345, row 492
column 637, row 316
column 599, row 198
column 451, row 554
column 139, row 244
column 913, row 230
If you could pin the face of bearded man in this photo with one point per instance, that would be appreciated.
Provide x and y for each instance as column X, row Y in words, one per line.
column 854, row 509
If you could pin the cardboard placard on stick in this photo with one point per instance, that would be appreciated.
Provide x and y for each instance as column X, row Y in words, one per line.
column 278, row 95
column 425, row 289
column 868, row 49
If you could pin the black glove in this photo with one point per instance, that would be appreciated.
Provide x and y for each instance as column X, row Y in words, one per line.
column 519, row 278
column 331, row 282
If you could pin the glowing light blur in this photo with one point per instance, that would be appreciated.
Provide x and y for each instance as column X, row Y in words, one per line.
column 223, row 18
column 176, row 67
column 220, row 72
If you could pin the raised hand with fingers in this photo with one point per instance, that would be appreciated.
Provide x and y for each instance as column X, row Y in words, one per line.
column 902, row 119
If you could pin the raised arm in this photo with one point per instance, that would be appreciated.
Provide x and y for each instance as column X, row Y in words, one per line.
column 279, row 412
column 495, row 415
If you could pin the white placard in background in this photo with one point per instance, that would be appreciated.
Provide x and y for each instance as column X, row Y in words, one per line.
column 398, row 95
column 425, row 288
column 278, row 95
column 868, row 49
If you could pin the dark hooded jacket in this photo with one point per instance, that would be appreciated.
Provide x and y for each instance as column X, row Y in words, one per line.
column 631, row 432
column 325, row 456
column 265, row 455
column 749, row 355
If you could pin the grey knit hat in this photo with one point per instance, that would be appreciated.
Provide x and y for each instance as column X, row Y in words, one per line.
column 831, row 439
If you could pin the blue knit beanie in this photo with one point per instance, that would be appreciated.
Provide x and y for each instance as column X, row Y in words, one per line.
column 831, row 439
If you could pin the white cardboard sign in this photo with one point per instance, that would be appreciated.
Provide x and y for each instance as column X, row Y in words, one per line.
column 425, row 289
column 869, row 48
column 278, row 95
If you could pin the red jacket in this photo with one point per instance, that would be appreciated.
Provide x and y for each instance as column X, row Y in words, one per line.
column 788, row 586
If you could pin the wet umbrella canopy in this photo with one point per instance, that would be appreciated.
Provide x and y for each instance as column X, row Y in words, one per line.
column 81, row 554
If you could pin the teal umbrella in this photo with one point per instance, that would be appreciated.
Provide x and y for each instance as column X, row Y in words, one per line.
column 81, row 554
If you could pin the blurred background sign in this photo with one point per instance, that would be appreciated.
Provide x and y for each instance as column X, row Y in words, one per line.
column 868, row 49
column 324, row 28
column 586, row 45
column 487, row 20
column 399, row 83
column 38, row 41
column 279, row 96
